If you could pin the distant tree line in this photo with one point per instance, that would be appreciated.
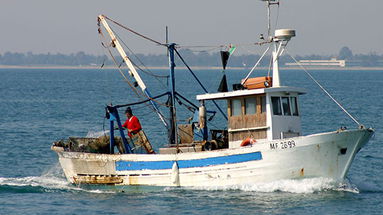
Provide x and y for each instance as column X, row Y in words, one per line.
column 192, row 58
column 30, row 59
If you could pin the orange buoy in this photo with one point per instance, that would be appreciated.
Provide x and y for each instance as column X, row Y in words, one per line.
column 248, row 141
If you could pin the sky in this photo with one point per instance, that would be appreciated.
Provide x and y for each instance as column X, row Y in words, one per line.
column 323, row 27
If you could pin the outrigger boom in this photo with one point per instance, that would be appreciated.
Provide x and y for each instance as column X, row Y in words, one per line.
column 133, row 72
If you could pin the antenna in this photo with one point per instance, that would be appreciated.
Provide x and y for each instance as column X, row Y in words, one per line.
column 269, row 3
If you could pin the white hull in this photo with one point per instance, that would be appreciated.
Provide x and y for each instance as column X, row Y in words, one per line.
column 326, row 155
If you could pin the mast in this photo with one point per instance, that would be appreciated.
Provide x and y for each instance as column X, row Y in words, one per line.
column 172, row 108
column 268, row 19
column 269, row 4
column 132, row 70
column 276, row 79
column 279, row 40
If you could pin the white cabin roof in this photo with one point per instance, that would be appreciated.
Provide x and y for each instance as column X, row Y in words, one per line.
column 237, row 93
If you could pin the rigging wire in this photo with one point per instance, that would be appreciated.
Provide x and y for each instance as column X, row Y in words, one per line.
column 107, row 47
column 115, row 62
column 328, row 94
column 277, row 18
column 158, row 43
column 102, row 69
column 140, row 61
column 148, row 72
column 140, row 94
column 251, row 71
column 194, row 49
column 187, row 107
column 141, row 102
column 199, row 82
column 134, row 32
column 211, row 47
column 123, row 75
column 208, row 47
column 214, row 47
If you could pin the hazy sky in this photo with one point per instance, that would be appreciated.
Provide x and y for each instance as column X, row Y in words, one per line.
column 323, row 26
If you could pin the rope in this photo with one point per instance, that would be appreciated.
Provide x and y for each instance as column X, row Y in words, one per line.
column 141, row 102
column 142, row 70
column 199, row 82
column 277, row 18
column 251, row 71
column 134, row 32
column 138, row 93
column 162, row 44
column 328, row 94
column 105, row 88
column 213, row 47
column 103, row 40
column 123, row 75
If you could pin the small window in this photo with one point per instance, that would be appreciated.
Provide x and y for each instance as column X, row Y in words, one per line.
column 277, row 108
column 294, row 106
column 251, row 106
column 263, row 104
column 286, row 106
column 236, row 107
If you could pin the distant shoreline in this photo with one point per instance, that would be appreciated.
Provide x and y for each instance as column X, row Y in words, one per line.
column 196, row 67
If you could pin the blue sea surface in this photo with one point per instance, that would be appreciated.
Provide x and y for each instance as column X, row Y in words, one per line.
column 40, row 106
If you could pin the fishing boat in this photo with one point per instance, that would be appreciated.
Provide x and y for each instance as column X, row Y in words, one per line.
column 262, row 139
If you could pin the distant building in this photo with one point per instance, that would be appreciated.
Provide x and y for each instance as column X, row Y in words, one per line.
column 333, row 62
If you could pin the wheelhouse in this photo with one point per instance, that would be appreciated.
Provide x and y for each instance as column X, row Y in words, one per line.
column 262, row 114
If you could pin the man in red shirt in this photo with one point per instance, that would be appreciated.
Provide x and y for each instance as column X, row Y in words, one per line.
column 134, row 127
column 132, row 123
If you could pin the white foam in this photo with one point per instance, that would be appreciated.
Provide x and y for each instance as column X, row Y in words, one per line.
column 309, row 185
column 346, row 186
column 51, row 180
column 54, row 179
column 37, row 181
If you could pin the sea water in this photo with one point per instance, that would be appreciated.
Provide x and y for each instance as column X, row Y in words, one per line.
column 40, row 106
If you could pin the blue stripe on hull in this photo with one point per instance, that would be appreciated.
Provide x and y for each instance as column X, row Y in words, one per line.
column 158, row 165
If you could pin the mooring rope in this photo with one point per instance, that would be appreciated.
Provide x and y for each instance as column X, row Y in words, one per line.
column 328, row 94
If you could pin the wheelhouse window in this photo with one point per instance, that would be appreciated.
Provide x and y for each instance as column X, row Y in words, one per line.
column 286, row 106
column 263, row 104
column 236, row 107
column 294, row 106
column 251, row 106
column 277, row 108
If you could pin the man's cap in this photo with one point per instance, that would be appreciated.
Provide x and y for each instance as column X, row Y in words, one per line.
column 128, row 110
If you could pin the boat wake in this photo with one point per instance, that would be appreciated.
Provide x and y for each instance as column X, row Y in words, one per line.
column 309, row 185
column 51, row 181
column 54, row 181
